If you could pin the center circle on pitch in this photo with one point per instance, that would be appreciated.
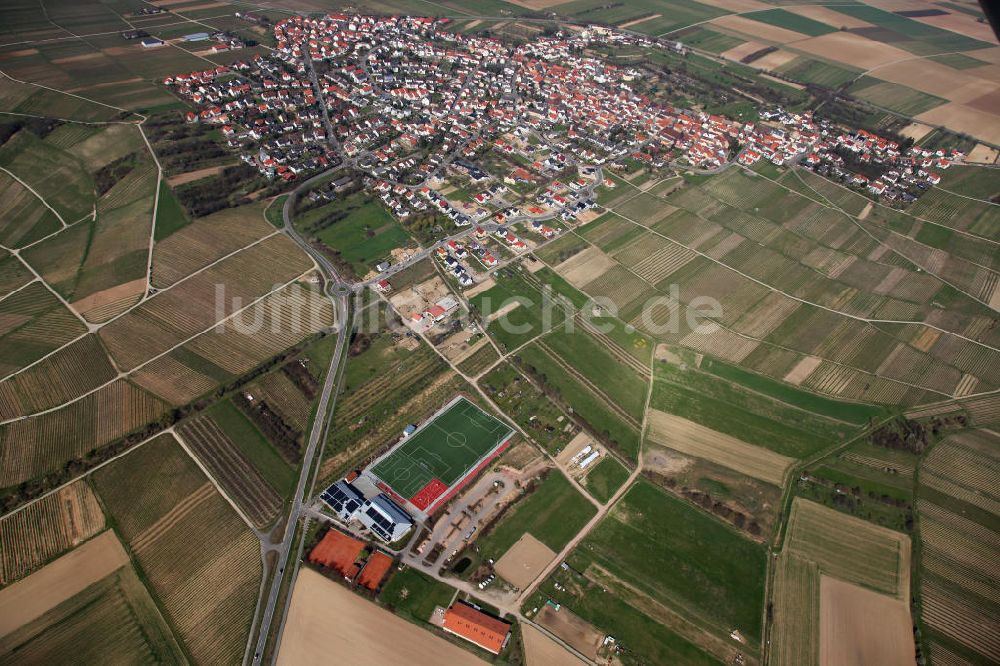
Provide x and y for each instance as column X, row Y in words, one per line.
column 455, row 440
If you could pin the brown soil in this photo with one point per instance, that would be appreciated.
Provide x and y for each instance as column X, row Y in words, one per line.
column 915, row 131
column 524, row 561
column 694, row 439
column 737, row 53
column 109, row 296
column 982, row 154
column 664, row 461
column 802, row 369
column 859, row 626
column 772, row 61
column 480, row 287
column 54, row 583
column 540, row 650
column 585, row 266
column 572, row 629
column 758, row 30
column 198, row 174
column 639, row 20
column 852, row 49
column 962, row 118
column 327, row 622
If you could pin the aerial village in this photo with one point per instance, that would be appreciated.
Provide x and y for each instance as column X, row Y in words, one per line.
column 423, row 113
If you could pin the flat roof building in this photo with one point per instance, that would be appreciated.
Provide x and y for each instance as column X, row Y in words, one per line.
column 343, row 498
column 475, row 626
column 385, row 518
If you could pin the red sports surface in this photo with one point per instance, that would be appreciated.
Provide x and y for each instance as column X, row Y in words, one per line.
column 468, row 477
column 426, row 495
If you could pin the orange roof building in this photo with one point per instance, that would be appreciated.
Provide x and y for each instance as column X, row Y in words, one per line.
column 484, row 630
column 337, row 551
column 376, row 568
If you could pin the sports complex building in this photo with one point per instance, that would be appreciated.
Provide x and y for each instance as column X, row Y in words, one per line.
column 421, row 472
column 428, row 467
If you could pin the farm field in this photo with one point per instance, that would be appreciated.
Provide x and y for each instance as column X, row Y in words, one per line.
column 143, row 333
column 102, row 182
column 895, row 97
column 35, row 445
column 693, row 439
column 35, row 324
column 78, row 629
column 65, row 374
column 31, row 597
column 605, row 478
column 513, row 310
column 588, row 403
column 635, row 594
column 176, row 515
column 553, row 512
column 812, row 254
column 325, row 616
column 255, row 496
column 860, row 559
column 26, row 219
column 724, row 573
column 273, row 464
column 47, row 528
column 206, row 240
column 752, row 417
column 958, row 509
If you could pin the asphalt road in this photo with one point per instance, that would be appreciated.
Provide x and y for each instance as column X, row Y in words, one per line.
column 339, row 293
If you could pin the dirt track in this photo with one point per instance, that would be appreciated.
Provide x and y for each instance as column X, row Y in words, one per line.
column 329, row 623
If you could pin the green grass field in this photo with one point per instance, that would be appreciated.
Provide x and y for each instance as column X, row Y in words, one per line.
column 593, row 360
column 920, row 38
column 414, row 595
column 710, row 40
column 755, row 418
column 606, row 478
column 253, row 445
column 821, row 73
column 958, row 60
column 522, row 323
column 363, row 237
column 170, row 215
column 553, row 513
column 854, row 412
column 790, row 21
column 894, row 96
column 587, row 405
column 682, row 556
column 443, row 449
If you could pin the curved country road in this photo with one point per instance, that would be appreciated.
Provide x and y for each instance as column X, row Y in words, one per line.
column 339, row 293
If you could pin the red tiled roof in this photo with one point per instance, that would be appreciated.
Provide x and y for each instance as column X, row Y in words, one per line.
column 477, row 627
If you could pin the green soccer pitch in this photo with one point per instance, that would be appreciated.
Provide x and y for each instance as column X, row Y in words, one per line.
column 443, row 449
